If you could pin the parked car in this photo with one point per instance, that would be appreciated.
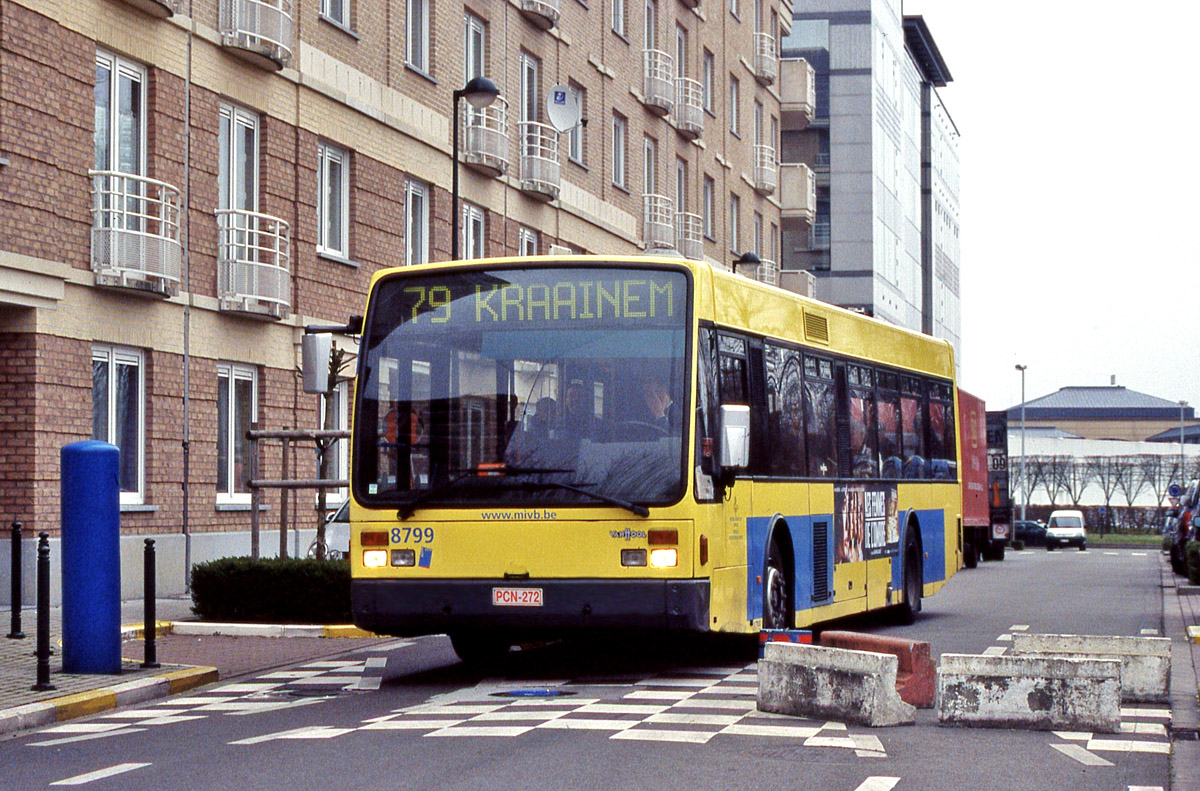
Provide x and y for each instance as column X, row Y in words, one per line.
column 1182, row 528
column 1066, row 528
column 1031, row 532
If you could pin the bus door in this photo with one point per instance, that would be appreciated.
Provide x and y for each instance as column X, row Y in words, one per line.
column 733, row 366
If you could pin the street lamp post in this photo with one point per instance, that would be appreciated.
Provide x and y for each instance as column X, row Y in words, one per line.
column 1024, row 488
column 479, row 93
column 1182, row 468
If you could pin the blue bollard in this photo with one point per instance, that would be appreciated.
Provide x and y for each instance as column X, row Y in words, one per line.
column 91, row 558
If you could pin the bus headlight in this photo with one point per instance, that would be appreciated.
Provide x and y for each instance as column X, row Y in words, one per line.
column 664, row 558
column 375, row 558
column 633, row 557
column 404, row 557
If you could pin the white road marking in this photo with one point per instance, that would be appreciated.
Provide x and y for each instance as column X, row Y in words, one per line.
column 778, row 731
column 878, row 784
column 85, row 727
column 509, row 714
column 676, row 682
column 327, row 681
column 1112, row 553
column 291, row 674
column 85, row 737
column 377, row 661
column 658, row 694
column 454, row 708
column 645, row 734
column 314, row 732
column 168, row 720
column 1005, row 638
column 994, row 650
column 621, row 708
column 834, row 726
column 1145, row 788
column 590, row 725
column 483, row 730
column 1118, row 746
column 137, row 714
column 1161, row 714
column 1138, row 554
column 1081, row 755
column 1073, row 736
column 371, row 682
column 1019, row 627
column 1149, row 633
column 99, row 774
column 830, row 741
column 729, row 689
column 701, row 703
column 244, row 688
column 410, row 725
column 695, row 719
column 333, row 664
column 551, row 703
column 1145, row 728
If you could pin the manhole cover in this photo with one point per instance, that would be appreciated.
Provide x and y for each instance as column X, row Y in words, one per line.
column 532, row 693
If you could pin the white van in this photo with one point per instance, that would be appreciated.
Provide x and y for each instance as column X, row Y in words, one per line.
column 1066, row 528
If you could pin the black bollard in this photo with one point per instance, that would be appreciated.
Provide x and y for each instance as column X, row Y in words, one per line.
column 15, row 633
column 43, row 614
column 151, row 626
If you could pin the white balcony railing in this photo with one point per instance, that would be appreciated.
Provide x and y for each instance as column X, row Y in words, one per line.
column 767, row 271
column 543, row 13
column 658, row 221
column 766, row 59
column 541, row 171
column 689, row 235
column 766, row 178
column 797, row 191
column 135, row 232
column 689, row 106
column 658, row 83
column 260, row 31
column 254, row 255
column 486, row 133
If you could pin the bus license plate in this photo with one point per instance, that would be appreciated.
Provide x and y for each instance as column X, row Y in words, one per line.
column 517, row 597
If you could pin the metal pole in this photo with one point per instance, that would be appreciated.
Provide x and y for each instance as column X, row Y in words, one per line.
column 454, row 184
column 253, row 463
column 1024, row 483
column 43, row 614
column 15, row 633
column 1182, row 468
column 283, row 505
column 151, row 625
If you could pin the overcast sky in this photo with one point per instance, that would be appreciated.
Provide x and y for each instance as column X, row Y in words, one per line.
column 1080, row 166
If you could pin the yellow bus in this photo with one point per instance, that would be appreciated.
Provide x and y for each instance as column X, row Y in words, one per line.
column 548, row 445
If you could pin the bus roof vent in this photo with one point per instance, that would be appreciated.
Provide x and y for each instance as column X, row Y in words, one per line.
column 816, row 328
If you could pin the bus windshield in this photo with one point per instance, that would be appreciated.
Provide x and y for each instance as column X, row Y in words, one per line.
column 514, row 386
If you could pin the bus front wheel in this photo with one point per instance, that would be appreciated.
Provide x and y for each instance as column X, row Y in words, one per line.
column 777, row 607
column 479, row 648
column 913, row 584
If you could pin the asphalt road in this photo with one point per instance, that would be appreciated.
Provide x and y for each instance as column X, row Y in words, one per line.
column 620, row 713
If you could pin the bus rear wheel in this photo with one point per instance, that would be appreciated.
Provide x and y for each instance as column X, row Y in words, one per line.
column 777, row 592
column 479, row 648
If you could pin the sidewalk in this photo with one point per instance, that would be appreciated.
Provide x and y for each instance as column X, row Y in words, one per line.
column 191, row 654
column 1181, row 610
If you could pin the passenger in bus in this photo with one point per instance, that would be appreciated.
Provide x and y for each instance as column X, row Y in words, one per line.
column 535, row 441
column 892, row 467
column 579, row 418
column 663, row 412
column 914, row 467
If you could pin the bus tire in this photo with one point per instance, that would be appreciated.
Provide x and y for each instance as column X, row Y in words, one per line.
column 479, row 648
column 913, row 584
column 970, row 558
column 778, row 612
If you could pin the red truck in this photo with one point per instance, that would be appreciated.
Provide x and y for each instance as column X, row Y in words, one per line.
column 985, row 490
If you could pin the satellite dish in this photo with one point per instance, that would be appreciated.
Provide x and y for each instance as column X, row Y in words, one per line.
column 562, row 107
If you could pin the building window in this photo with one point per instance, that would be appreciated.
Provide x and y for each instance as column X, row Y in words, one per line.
column 333, row 200
column 734, row 103
column 681, row 184
column 473, row 231
column 474, row 46
column 575, row 141
column 620, row 139
column 735, row 208
column 336, row 11
column 418, row 35
column 650, row 37
column 650, row 166
column 527, row 241
column 706, row 77
column 237, row 408
column 416, row 223
column 758, row 235
column 118, row 413
column 710, row 189
column 618, row 17
column 120, row 136
column 530, row 69
column 237, row 172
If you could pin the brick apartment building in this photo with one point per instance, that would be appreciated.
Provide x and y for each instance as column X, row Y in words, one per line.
column 187, row 183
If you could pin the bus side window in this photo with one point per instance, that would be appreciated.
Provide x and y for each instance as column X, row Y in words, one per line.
column 887, row 406
column 785, row 412
column 820, row 417
column 707, row 389
column 912, row 427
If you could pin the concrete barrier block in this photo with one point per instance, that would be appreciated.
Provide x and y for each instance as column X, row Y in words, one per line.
column 1145, row 661
column 1035, row 692
column 831, row 683
column 916, row 673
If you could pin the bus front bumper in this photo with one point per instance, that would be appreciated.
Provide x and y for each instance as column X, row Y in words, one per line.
column 413, row 607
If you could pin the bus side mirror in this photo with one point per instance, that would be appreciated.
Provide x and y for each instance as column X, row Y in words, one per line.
column 315, row 349
column 735, row 436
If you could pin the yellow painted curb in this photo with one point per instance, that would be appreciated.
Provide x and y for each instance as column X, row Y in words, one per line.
column 1194, row 634
column 347, row 630
column 190, row 678
column 82, row 704
column 138, row 631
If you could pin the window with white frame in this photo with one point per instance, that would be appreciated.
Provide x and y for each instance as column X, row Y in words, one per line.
column 237, row 171
column 474, row 46
column 649, row 166
column 333, row 200
column 336, row 11
column 575, row 141
column 735, row 209
column 530, row 68
column 734, row 102
column 707, row 75
column 618, row 16
column 527, row 241
column 416, row 222
column 681, row 184
column 681, row 51
column 120, row 133
column 118, row 413
column 758, row 235
column 650, row 38
column 473, row 231
column 418, row 35
column 709, row 196
column 237, row 408
column 619, row 145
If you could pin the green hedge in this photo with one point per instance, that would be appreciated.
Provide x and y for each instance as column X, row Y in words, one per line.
column 1192, row 552
column 271, row 590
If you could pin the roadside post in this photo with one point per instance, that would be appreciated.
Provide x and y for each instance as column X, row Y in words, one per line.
column 15, row 633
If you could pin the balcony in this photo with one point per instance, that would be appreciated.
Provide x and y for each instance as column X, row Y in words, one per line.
column 797, row 93
column 689, row 107
column 157, row 8
column 254, row 254
column 658, row 83
column 258, row 31
column 767, row 272
column 689, row 235
column 543, row 13
column 797, row 191
column 766, row 59
column 765, row 175
column 658, row 222
column 486, row 133
column 540, row 166
column 135, row 233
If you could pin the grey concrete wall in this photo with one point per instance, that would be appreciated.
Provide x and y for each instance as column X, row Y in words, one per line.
column 1145, row 661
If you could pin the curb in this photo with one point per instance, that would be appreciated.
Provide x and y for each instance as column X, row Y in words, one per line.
column 81, row 704
column 206, row 629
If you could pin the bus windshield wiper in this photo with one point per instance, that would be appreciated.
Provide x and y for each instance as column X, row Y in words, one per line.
column 406, row 510
column 634, row 508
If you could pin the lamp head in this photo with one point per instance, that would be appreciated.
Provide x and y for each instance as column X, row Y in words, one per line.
column 747, row 259
column 479, row 92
